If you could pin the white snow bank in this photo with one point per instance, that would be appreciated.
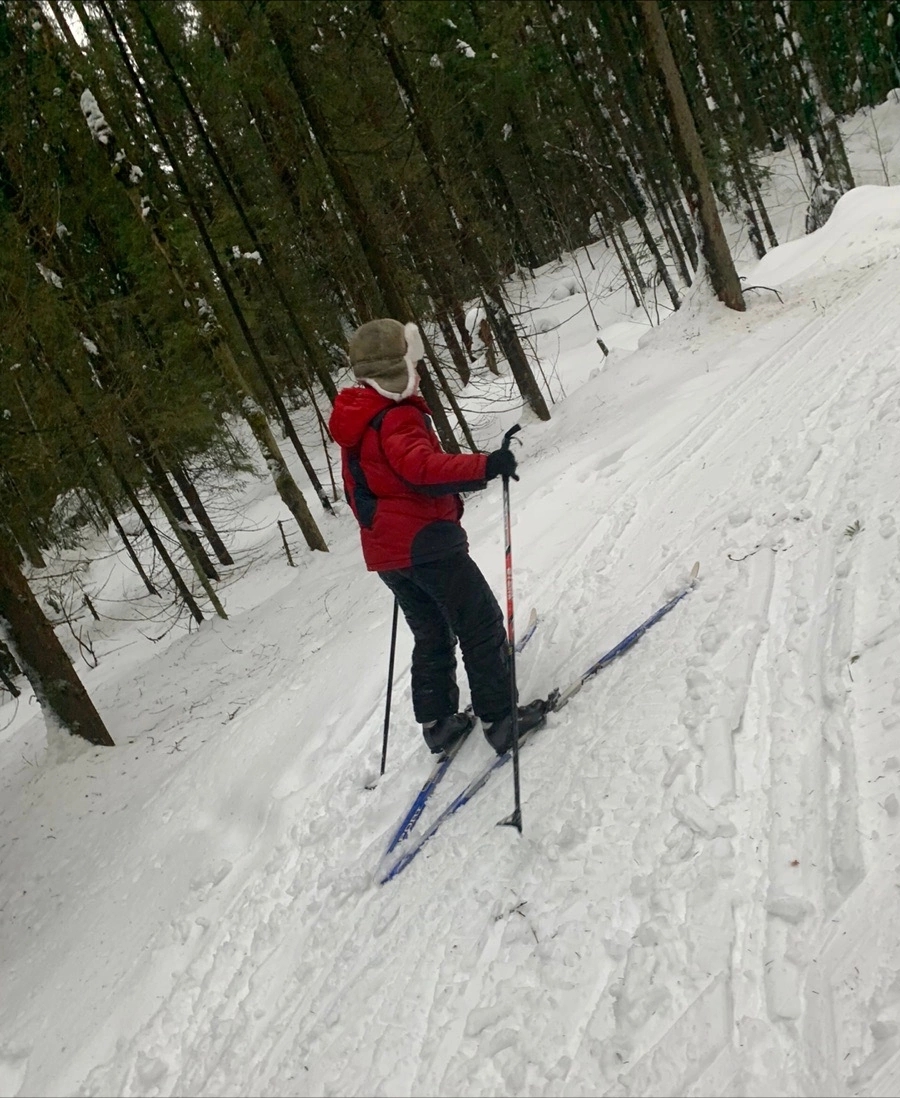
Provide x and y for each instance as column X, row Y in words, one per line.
column 864, row 223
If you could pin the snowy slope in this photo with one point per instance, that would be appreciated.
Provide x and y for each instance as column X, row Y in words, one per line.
column 705, row 894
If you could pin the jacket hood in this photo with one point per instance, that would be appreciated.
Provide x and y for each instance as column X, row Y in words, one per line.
column 356, row 407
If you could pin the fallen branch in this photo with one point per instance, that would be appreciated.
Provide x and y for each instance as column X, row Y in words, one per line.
column 769, row 288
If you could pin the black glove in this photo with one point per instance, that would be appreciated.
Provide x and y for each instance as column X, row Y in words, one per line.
column 501, row 463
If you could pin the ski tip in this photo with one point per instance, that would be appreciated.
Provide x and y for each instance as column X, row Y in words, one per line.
column 695, row 571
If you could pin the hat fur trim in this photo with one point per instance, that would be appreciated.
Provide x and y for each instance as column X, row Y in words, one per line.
column 415, row 352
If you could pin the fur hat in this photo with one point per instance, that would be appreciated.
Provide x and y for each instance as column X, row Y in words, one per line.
column 384, row 353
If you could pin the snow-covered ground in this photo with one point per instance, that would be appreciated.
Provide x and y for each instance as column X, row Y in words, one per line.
column 705, row 897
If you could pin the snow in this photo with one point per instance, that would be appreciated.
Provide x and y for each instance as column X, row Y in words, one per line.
column 705, row 897
column 96, row 120
column 50, row 277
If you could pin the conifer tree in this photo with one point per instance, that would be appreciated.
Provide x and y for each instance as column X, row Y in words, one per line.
column 469, row 246
column 720, row 266
column 29, row 635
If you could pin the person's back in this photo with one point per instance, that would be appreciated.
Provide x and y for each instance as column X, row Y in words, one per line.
column 404, row 491
column 402, row 487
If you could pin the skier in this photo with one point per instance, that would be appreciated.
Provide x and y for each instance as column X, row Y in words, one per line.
column 404, row 491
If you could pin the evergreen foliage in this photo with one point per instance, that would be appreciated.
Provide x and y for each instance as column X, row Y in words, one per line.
column 199, row 201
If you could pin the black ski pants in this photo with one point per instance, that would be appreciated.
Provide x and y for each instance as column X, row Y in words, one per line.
column 443, row 601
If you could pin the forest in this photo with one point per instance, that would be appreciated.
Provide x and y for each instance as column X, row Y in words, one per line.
column 201, row 201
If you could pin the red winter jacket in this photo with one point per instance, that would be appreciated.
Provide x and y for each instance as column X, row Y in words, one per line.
column 401, row 485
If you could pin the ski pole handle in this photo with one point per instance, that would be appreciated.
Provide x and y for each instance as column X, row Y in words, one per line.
column 505, row 445
column 508, row 437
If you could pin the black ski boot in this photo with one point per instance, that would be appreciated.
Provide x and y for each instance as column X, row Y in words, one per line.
column 500, row 734
column 443, row 734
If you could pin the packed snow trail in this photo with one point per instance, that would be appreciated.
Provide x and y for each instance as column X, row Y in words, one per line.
column 556, row 700
column 704, row 897
column 681, row 914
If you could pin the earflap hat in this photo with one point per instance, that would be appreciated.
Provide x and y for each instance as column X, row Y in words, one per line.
column 384, row 353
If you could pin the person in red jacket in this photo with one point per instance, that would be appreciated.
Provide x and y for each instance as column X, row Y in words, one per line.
column 405, row 493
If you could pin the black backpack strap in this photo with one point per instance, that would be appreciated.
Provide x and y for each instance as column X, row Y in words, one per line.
column 364, row 499
column 376, row 421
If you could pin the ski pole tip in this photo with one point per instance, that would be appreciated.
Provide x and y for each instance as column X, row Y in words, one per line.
column 513, row 820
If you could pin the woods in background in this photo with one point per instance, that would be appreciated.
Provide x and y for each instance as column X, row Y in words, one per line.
column 198, row 202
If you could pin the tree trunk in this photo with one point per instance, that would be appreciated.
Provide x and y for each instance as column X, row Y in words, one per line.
column 110, row 509
column 8, row 670
column 714, row 51
column 180, row 522
column 324, row 377
column 284, row 482
column 124, row 173
column 129, row 548
column 215, row 260
column 720, row 266
column 746, row 203
column 159, row 545
column 129, row 491
column 453, row 346
column 28, row 545
column 467, row 241
column 367, row 234
column 43, row 659
column 195, row 503
column 459, row 319
column 763, row 212
column 448, row 392
column 189, row 545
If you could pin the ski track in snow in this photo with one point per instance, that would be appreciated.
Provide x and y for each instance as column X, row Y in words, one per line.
column 746, row 753
column 775, row 705
column 705, row 896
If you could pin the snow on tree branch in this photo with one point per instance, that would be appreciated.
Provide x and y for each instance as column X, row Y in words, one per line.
column 49, row 276
column 90, row 108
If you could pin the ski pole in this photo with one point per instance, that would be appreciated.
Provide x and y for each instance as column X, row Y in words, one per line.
column 390, row 686
column 515, row 820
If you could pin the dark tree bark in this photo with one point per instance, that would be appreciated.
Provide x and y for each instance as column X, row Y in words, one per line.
column 720, row 266
column 182, row 524
column 445, row 386
column 195, row 503
column 24, row 536
column 453, row 346
column 613, row 157
column 720, row 68
column 232, row 187
column 126, row 487
column 8, row 670
column 763, row 212
column 129, row 548
column 646, row 140
column 110, row 509
column 43, row 659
